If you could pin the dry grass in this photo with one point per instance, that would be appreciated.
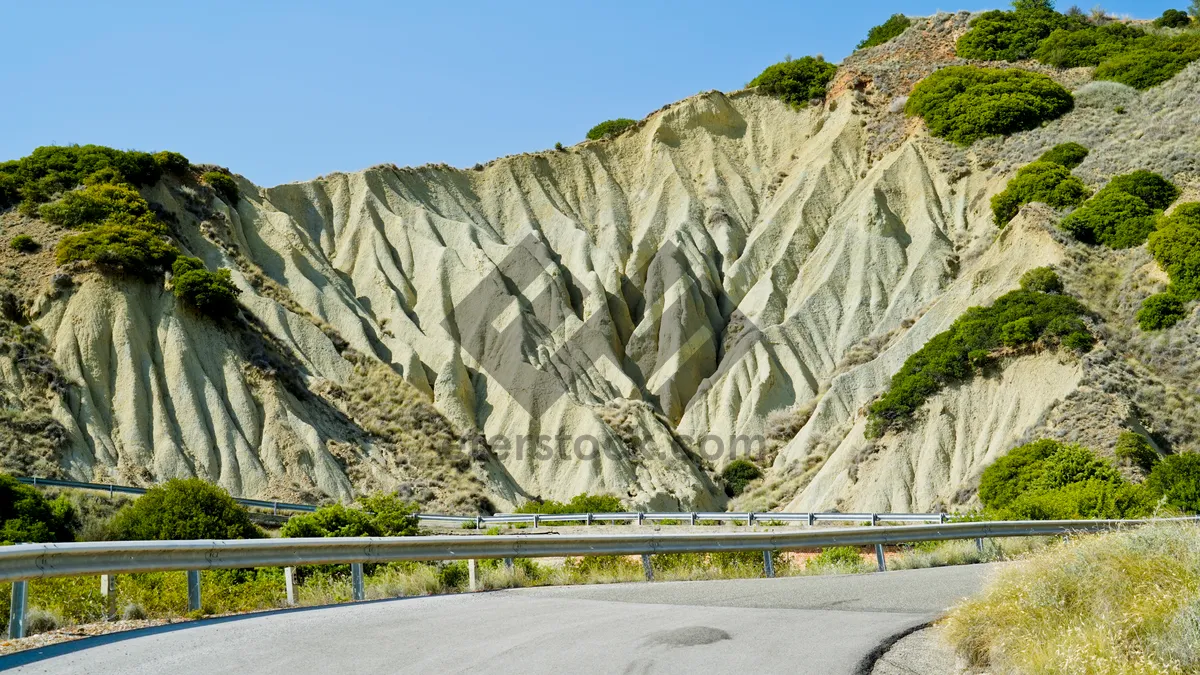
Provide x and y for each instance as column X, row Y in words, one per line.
column 1123, row 602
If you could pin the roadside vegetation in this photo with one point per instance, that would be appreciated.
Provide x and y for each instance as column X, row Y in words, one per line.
column 964, row 103
column 1121, row 602
column 1124, row 212
column 1120, row 52
column 1022, row 320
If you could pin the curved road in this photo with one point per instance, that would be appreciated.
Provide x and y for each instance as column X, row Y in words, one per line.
column 823, row 624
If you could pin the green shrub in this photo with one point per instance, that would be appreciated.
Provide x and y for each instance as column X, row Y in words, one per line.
column 1135, row 450
column 738, row 474
column 1177, row 478
column 224, row 184
column 1113, row 217
column 580, row 503
column 99, row 202
column 796, row 81
column 835, row 557
column 212, row 293
column 1087, row 46
column 963, row 103
column 1176, row 247
column 1173, row 18
column 1040, row 181
column 23, row 243
column 1156, row 191
column 172, row 163
column 609, row 127
column 1161, row 311
column 1049, row 480
column 893, row 27
column 1016, row 319
column 1011, row 36
column 26, row 516
column 1042, row 280
column 184, row 508
column 372, row 516
column 119, row 249
column 1069, row 155
column 1152, row 61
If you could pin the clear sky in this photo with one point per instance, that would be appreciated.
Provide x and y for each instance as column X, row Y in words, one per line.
column 287, row 91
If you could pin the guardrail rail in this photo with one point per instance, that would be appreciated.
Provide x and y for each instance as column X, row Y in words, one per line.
column 23, row 562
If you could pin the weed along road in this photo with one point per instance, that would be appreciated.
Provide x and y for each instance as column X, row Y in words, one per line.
column 819, row 624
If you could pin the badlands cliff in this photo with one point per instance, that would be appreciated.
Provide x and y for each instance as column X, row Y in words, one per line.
column 728, row 267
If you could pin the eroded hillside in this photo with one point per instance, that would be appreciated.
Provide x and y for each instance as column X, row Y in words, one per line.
column 614, row 316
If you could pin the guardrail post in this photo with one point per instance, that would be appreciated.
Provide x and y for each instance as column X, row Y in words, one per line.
column 193, row 585
column 768, row 565
column 750, row 518
column 108, row 591
column 641, row 517
column 16, row 610
column 647, row 568
column 356, row 581
column 979, row 544
column 289, row 581
column 471, row 573
column 535, row 520
column 508, row 562
column 942, row 518
column 693, row 518
column 110, row 491
column 879, row 559
column 589, row 519
column 812, row 519
column 478, row 523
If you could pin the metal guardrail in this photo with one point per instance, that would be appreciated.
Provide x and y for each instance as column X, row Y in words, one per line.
column 112, row 489
column 22, row 562
column 537, row 519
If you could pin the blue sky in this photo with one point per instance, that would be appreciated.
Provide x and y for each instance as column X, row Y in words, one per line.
column 288, row 91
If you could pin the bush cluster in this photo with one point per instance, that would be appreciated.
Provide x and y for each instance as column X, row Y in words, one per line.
column 212, row 293
column 893, row 27
column 1050, row 480
column 738, row 474
column 1133, row 449
column 1160, row 311
column 183, row 508
column 1046, row 180
column 1123, row 213
column 1176, row 478
column 796, row 81
column 1176, row 247
column 1120, row 52
column 1173, row 18
column 51, row 170
column 26, row 516
column 608, row 127
column 580, row 503
column 109, row 203
column 119, row 249
column 371, row 516
column 963, row 103
column 1017, row 319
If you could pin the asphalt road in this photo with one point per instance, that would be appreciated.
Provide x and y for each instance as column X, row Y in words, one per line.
column 821, row 624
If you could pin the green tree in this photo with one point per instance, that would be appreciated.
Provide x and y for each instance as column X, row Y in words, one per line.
column 1040, row 181
column 100, row 202
column 796, row 81
column 963, row 103
column 1176, row 247
column 378, row 515
column 608, row 127
column 1010, row 36
column 26, row 516
column 1173, row 18
column 184, row 508
column 1113, row 218
column 119, row 249
column 738, row 474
